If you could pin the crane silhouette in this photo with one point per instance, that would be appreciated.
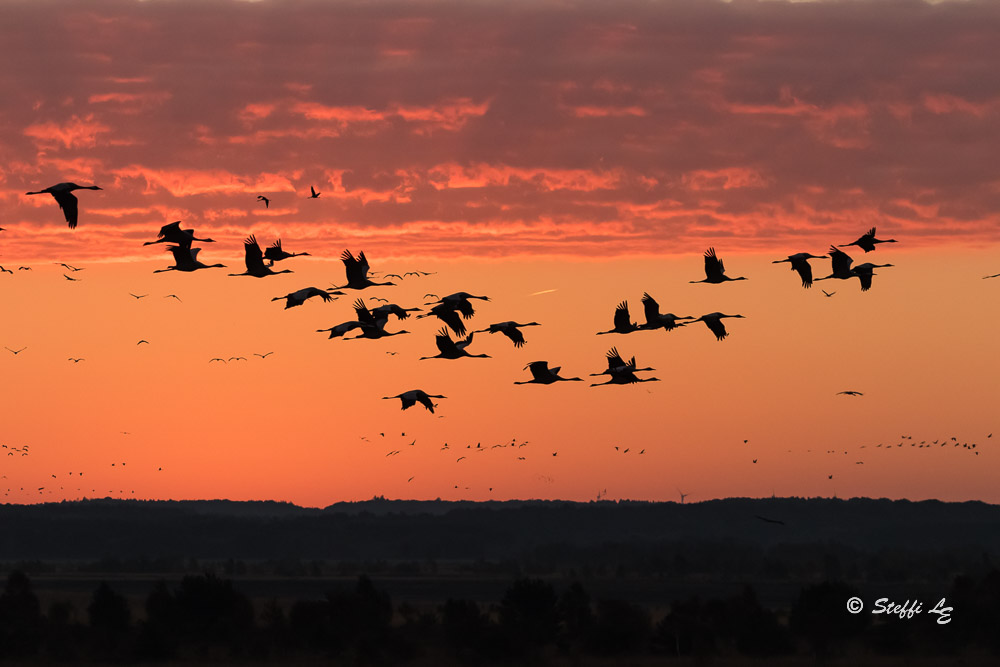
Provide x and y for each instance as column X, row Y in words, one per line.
column 299, row 297
column 63, row 194
column 414, row 396
column 275, row 253
column 715, row 270
column 460, row 301
column 621, row 372
column 357, row 272
column 840, row 265
column 372, row 327
column 714, row 322
column 267, row 202
column 864, row 273
column 623, row 321
column 542, row 374
column 253, row 258
column 868, row 241
column 186, row 259
column 509, row 329
column 654, row 320
column 172, row 233
column 312, row 193
column 449, row 349
column 448, row 309
column 800, row 264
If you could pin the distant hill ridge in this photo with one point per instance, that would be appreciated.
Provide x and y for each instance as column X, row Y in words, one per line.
column 410, row 529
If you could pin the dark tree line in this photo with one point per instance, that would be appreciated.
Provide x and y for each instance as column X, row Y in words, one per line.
column 204, row 617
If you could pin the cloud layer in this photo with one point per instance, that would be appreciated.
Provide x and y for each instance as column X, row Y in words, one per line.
column 506, row 128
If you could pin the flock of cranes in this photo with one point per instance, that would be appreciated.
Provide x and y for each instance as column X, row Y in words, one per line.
column 454, row 310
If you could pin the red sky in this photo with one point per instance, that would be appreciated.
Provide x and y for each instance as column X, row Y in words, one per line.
column 513, row 148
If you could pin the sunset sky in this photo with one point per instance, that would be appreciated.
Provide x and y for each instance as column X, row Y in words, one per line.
column 559, row 157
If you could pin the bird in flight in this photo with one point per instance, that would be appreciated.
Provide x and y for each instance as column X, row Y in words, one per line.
column 621, row 372
column 253, row 258
column 868, row 241
column 357, row 269
column 414, row 396
column 16, row 352
column 715, row 271
column 510, row 330
column 827, row 294
column 850, row 393
column 217, row 359
column 24, row 268
column 173, row 296
column 186, row 260
column 299, row 297
column 313, row 193
column 449, row 349
column 714, row 322
column 274, row 253
column 864, row 273
column 143, row 341
column 654, row 320
column 450, row 316
column 995, row 275
column 262, row 356
column 71, row 279
column 63, row 194
column 137, row 296
column 3, row 270
column 800, row 264
column 69, row 267
column 172, row 233
column 267, row 202
column 623, row 321
column 75, row 361
column 542, row 374
column 840, row 265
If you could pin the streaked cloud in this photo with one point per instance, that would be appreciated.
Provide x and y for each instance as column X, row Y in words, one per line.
column 761, row 123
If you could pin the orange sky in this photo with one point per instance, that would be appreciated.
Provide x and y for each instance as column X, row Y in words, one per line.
column 512, row 148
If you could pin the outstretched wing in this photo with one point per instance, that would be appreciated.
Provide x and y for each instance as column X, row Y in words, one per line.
column 450, row 317
column 252, row 256
column 840, row 261
column 714, row 268
column 514, row 334
column 67, row 202
column 172, row 229
column 444, row 343
column 622, row 319
column 614, row 359
column 364, row 316
column 805, row 272
column 718, row 328
column 651, row 308
column 274, row 251
column 357, row 269
column 539, row 370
